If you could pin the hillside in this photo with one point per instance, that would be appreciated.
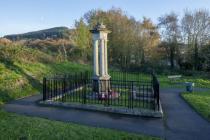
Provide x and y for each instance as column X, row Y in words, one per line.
column 56, row 42
column 22, row 69
column 55, row 33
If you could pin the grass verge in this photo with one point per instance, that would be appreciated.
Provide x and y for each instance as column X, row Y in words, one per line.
column 20, row 78
column 200, row 101
column 21, row 127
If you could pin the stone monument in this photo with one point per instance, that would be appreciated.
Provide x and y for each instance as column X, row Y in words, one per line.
column 101, row 78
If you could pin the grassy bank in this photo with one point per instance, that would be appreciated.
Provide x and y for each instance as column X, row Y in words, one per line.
column 20, row 127
column 21, row 73
column 200, row 101
column 22, row 70
column 23, row 79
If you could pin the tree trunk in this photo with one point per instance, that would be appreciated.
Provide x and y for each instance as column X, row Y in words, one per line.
column 196, row 59
column 172, row 56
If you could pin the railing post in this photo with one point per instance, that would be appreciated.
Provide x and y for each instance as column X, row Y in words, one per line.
column 156, row 88
column 64, row 89
column 85, row 90
column 158, row 95
column 154, row 91
column 44, row 89
column 132, row 94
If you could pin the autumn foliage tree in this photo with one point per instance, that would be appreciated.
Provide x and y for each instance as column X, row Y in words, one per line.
column 131, row 42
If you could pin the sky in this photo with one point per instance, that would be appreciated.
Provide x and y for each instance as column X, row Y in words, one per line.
column 20, row 16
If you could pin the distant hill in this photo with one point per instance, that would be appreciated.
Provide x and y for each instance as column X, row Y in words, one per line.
column 55, row 33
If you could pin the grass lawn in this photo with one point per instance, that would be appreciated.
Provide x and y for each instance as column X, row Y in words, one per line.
column 200, row 101
column 21, row 127
column 19, row 78
column 201, row 81
column 121, row 101
column 21, row 73
column 22, row 79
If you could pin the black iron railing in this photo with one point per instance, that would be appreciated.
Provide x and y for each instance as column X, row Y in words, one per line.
column 156, row 90
column 123, row 91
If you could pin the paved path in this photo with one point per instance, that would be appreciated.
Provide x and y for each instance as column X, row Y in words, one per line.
column 27, row 106
column 180, row 121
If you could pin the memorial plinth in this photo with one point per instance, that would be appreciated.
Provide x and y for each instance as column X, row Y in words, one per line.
column 101, row 78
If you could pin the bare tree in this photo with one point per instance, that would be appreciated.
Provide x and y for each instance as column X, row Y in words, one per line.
column 196, row 32
column 170, row 32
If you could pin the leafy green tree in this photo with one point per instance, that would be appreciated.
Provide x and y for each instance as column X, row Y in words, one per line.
column 206, row 57
column 82, row 40
column 131, row 41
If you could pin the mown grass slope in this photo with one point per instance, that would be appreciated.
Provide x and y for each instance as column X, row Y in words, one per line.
column 21, row 73
column 200, row 101
column 22, row 70
column 20, row 127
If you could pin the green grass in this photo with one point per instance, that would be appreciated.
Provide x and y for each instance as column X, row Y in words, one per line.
column 21, row 127
column 122, row 101
column 22, row 70
column 134, row 76
column 23, row 79
column 200, row 82
column 21, row 73
column 200, row 101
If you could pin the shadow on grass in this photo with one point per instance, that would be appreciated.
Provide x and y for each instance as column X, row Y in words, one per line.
column 4, row 96
column 32, row 81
